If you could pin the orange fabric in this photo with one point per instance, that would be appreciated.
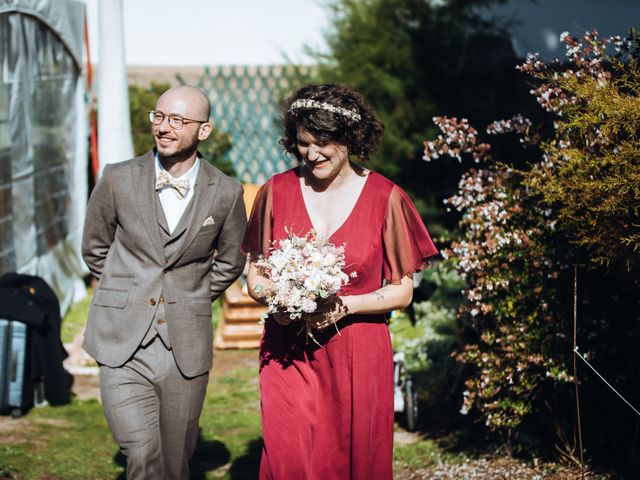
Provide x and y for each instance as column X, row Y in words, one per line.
column 249, row 196
column 257, row 239
column 406, row 242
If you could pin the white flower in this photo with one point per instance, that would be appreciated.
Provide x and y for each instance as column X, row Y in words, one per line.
column 302, row 269
column 329, row 259
column 278, row 261
column 308, row 305
column 312, row 282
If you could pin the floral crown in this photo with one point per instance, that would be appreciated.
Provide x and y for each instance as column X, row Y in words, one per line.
column 311, row 103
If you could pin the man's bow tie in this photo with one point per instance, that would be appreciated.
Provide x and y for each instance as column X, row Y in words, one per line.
column 181, row 187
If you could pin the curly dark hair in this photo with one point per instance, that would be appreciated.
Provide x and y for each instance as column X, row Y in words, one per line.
column 360, row 135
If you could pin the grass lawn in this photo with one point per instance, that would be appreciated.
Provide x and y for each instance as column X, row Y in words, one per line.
column 74, row 442
column 76, row 317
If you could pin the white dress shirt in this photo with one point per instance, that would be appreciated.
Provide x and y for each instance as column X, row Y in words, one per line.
column 173, row 206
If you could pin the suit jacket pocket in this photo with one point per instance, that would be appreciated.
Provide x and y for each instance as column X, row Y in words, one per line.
column 110, row 298
column 208, row 229
column 201, row 306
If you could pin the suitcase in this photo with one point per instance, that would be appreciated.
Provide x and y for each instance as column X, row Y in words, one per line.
column 15, row 395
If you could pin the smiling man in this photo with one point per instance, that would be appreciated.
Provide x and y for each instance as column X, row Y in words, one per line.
column 162, row 235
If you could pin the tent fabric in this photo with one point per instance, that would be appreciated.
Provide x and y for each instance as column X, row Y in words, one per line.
column 65, row 18
column 43, row 146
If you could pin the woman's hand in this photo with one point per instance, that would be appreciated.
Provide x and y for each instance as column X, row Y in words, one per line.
column 256, row 284
column 329, row 311
column 283, row 318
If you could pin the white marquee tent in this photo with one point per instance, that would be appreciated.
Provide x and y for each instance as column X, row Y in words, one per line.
column 43, row 142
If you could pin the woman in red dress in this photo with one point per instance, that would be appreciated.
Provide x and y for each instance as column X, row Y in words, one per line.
column 327, row 412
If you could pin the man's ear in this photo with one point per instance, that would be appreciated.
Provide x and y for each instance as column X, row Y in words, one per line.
column 204, row 131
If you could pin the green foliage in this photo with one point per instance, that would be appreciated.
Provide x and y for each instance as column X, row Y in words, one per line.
column 594, row 187
column 428, row 344
column 143, row 99
column 523, row 229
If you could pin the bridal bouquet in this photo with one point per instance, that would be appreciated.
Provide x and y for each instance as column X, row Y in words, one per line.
column 303, row 270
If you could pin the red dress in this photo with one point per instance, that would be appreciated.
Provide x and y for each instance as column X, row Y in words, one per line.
column 327, row 413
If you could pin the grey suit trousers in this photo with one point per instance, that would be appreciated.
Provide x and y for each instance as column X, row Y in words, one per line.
column 153, row 411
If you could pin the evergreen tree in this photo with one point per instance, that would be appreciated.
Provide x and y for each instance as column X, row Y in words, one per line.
column 413, row 60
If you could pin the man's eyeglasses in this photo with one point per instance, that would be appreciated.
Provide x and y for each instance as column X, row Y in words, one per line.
column 176, row 121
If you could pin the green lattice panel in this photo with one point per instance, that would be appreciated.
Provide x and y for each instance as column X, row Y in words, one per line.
column 245, row 104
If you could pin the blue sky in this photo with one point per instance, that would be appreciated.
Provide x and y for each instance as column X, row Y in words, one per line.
column 216, row 32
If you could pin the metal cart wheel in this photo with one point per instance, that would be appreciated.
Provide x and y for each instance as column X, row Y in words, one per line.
column 410, row 404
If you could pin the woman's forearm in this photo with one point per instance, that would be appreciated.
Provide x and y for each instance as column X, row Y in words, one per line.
column 256, row 282
column 390, row 297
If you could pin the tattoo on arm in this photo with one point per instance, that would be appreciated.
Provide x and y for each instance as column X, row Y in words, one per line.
column 380, row 293
column 379, row 296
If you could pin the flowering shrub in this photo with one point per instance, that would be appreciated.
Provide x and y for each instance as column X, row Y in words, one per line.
column 510, row 271
column 589, row 173
column 459, row 137
column 521, row 230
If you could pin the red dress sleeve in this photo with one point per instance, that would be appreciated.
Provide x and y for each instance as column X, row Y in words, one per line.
column 407, row 245
column 259, row 233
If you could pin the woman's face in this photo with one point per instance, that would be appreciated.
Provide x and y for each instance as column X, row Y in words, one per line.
column 324, row 161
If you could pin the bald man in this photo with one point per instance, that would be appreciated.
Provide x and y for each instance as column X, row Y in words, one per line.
column 162, row 235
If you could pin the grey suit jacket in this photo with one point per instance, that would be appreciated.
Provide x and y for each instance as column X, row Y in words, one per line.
column 122, row 247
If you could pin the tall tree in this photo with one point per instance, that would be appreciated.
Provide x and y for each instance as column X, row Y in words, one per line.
column 413, row 59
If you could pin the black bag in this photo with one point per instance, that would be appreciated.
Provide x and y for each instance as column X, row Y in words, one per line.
column 30, row 300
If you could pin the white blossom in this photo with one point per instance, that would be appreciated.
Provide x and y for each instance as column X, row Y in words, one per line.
column 302, row 270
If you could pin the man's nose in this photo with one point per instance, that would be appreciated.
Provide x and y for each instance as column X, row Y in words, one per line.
column 164, row 126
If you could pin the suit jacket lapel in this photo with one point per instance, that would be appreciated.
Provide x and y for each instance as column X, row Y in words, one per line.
column 197, row 211
column 144, row 175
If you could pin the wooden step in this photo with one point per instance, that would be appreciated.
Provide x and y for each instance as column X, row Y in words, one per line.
column 238, row 326
column 243, row 315
column 234, row 295
column 230, row 335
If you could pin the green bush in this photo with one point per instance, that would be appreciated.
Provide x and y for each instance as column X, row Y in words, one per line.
column 524, row 230
column 428, row 344
column 590, row 175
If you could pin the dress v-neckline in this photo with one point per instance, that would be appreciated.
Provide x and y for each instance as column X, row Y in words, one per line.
column 300, row 179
